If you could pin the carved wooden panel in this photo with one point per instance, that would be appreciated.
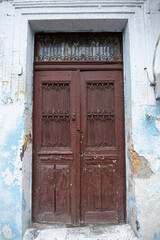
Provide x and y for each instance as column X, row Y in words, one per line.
column 54, row 191
column 93, row 188
column 109, row 189
column 47, row 190
column 62, row 189
column 78, row 47
column 100, row 114
column 55, row 114
column 100, row 186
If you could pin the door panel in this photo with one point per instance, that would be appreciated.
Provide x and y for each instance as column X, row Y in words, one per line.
column 100, row 114
column 100, row 147
column 55, row 114
column 54, row 172
column 78, row 155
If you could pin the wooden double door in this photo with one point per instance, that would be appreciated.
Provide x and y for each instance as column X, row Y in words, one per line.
column 78, row 146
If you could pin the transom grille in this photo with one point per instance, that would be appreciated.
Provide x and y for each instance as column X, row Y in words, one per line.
column 78, row 47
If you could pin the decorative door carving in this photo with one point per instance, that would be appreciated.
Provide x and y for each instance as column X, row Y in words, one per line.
column 78, row 47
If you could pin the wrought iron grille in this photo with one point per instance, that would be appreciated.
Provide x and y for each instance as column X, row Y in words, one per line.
column 78, row 47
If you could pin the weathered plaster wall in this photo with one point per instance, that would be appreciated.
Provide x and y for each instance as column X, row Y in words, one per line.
column 15, row 131
column 11, row 131
column 18, row 21
column 144, row 139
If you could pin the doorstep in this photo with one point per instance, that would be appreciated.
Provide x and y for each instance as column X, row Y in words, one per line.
column 89, row 232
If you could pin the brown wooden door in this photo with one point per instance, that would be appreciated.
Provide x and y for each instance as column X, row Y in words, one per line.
column 54, row 146
column 78, row 164
column 102, row 153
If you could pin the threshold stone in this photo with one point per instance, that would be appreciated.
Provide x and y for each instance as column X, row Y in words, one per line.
column 89, row 232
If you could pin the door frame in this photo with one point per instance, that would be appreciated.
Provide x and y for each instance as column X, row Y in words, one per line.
column 87, row 66
column 101, row 65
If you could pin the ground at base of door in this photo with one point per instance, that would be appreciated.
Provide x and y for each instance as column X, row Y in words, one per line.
column 94, row 232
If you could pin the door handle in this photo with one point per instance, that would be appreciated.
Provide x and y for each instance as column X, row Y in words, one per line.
column 73, row 117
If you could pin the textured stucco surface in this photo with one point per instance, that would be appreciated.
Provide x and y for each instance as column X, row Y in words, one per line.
column 140, row 22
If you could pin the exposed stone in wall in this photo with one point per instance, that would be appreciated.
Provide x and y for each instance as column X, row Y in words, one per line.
column 140, row 165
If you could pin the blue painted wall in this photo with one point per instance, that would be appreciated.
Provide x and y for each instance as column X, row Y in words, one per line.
column 10, row 171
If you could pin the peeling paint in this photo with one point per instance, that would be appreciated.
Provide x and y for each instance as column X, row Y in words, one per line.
column 24, row 147
column 158, row 124
column 136, row 162
column 150, row 125
column 132, row 207
column 24, row 204
column 11, row 124
column 157, row 236
column 140, row 165
column 7, row 232
column 11, row 175
column 145, row 171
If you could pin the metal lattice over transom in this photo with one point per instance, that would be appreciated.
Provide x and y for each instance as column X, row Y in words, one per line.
column 78, row 47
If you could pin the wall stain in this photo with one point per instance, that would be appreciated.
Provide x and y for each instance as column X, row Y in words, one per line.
column 140, row 165
column 24, row 147
column 136, row 162
column 138, row 226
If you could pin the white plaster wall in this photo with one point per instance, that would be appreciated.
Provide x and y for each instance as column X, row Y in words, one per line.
column 16, row 67
column 140, row 21
column 11, row 128
column 145, row 132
